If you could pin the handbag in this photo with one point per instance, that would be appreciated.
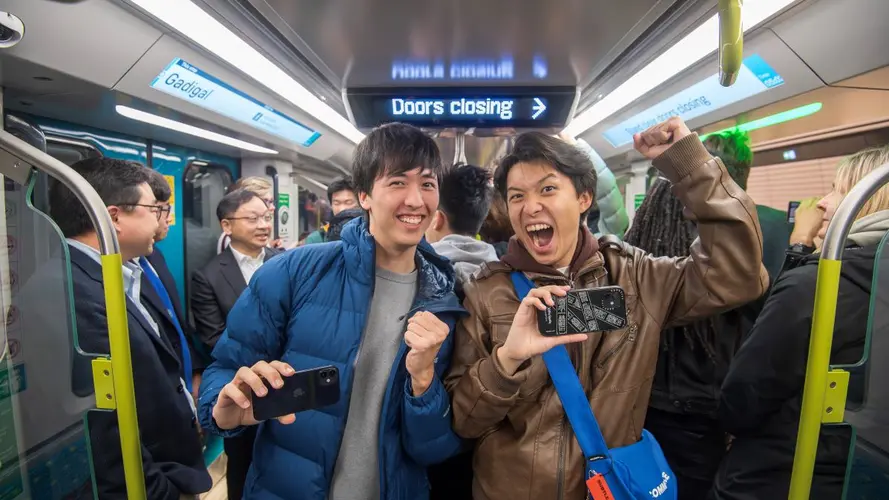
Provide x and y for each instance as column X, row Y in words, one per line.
column 634, row 472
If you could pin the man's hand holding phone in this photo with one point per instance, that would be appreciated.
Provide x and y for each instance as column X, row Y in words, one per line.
column 234, row 406
column 524, row 340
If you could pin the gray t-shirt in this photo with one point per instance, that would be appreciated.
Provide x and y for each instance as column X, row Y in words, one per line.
column 357, row 470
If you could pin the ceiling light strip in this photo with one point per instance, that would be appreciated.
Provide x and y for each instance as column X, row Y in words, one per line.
column 689, row 50
column 160, row 121
column 201, row 28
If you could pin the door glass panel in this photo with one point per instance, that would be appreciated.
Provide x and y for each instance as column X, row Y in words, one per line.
column 45, row 382
column 204, row 185
column 868, row 471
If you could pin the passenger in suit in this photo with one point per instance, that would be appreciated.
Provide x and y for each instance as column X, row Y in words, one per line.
column 171, row 451
column 160, row 295
column 247, row 221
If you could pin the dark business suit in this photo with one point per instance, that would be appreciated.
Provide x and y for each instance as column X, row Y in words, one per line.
column 172, row 458
column 154, row 304
column 214, row 291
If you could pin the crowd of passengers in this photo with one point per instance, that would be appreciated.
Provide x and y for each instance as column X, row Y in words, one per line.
column 449, row 398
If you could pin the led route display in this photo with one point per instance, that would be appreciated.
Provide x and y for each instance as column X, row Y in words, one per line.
column 531, row 108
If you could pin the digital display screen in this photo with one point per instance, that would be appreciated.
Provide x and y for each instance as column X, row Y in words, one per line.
column 517, row 107
column 503, row 68
column 185, row 81
column 755, row 77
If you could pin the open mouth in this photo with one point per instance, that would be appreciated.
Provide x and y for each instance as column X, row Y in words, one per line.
column 412, row 221
column 541, row 236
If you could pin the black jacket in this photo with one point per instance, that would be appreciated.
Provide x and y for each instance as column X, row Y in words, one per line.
column 762, row 393
column 172, row 458
column 688, row 377
column 214, row 291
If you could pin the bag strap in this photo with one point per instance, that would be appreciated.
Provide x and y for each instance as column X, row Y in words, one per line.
column 564, row 377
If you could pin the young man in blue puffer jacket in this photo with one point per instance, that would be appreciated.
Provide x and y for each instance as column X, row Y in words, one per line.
column 381, row 290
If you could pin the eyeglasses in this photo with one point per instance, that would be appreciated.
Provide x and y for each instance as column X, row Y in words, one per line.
column 254, row 219
column 160, row 212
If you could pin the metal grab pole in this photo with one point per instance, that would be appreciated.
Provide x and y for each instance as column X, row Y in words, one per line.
column 731, row 41
column 26, row 157
column 824, row 315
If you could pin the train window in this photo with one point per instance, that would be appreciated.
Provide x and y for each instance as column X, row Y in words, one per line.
column 203, row 186
column 69, row 151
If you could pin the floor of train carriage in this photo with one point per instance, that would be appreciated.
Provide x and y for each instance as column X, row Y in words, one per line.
column 217, row 472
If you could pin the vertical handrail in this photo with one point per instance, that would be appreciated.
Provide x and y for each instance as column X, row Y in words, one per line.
column 731, row 41
column 821, row 340
column 28, row 157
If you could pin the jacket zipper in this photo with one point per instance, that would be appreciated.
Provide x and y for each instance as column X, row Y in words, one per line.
column 399, row 360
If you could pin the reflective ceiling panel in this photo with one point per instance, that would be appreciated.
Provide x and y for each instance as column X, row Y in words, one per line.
column 410, row 42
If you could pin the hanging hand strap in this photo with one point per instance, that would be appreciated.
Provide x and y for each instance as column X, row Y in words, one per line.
column 574, row 400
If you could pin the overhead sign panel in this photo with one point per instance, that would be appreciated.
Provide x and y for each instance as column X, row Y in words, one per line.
column 185, row 81
column 706, row 96
column 519, row 107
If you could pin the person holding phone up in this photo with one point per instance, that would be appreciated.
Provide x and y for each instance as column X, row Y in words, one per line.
column 503, row 394
column 375, row 311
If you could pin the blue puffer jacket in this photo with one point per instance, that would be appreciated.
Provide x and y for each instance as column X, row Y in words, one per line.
column 308, row 307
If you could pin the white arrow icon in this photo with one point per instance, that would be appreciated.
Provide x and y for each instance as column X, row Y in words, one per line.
column 538, row 108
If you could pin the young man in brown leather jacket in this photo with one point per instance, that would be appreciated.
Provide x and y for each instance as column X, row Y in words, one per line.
column 502, row 394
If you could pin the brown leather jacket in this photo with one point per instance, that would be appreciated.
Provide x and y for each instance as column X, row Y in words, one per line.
column 525, row 448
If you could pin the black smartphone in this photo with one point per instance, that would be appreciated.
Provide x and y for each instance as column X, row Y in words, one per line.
column 304, row 390
column 584, row 311
column 791, row 211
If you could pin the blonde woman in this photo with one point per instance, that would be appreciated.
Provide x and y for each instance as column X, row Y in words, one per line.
column 762, row 393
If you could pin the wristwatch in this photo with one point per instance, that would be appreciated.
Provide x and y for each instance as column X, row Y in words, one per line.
column 801, row 249
column 795, row 254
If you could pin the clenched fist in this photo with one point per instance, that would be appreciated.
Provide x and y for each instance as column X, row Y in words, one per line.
column 424, row 336
column 657, row 139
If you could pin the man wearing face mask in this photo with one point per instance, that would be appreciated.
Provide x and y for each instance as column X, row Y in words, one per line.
column 502, row 392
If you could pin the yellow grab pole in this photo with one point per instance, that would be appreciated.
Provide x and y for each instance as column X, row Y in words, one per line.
column 731, row 41
column 824, row 315
column 122, row 374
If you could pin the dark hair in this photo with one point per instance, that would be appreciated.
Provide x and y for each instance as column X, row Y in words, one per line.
column 567, row 159
column 116, row 181
column 733, row 148
column 230, row 203
column 660, row 229
column 159, row 186
column 497, row 227
column 340, row 220
column 465, row 198
column 393, row 149
column 340, row 184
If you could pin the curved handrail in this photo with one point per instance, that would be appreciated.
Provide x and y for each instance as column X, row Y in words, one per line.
column 26, row 157
column 731, row 41
column 824, row 315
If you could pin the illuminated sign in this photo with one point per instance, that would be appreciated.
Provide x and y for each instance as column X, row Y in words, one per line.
column 509, row 107
column 185, row 81
column 755, row 77
column 499, row 69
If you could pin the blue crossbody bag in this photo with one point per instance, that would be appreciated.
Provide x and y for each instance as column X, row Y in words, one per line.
column 635, row 472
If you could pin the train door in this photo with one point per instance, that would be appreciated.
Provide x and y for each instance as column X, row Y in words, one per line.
column 203, row 185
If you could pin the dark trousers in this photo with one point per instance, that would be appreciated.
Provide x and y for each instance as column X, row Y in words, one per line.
column 239, row 451
column 694, row 446
column 452, row 479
